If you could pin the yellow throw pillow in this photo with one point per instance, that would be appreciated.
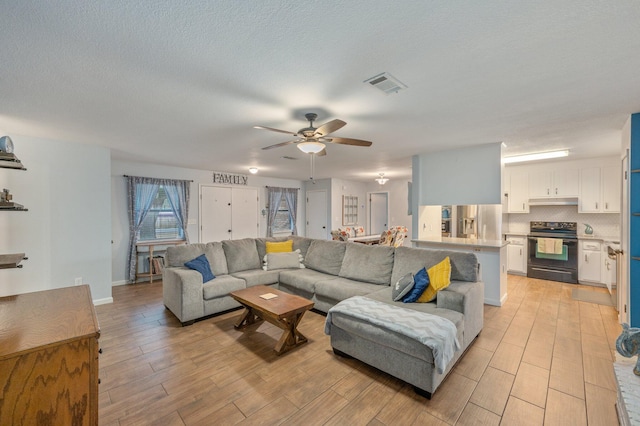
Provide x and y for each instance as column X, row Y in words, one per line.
column 439, row 278
column 279, row 247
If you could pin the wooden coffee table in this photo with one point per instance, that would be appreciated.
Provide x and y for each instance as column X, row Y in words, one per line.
column 284, row 311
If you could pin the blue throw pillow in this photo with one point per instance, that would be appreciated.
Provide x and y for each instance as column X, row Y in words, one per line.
column 421, row 280
column 201, row 264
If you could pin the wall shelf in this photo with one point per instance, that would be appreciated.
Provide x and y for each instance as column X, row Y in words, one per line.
column 12, row 260
column 8, row 261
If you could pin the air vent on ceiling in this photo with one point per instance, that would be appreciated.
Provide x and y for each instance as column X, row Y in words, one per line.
column 286, row 157
column 387, row 83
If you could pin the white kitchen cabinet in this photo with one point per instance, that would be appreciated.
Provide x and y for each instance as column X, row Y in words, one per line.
column 599, row 190
column 611, row 184
column 517, row 255
column 590, row 188
column 608, row 269
column 518, row 192
column 590, row 261
column 554, row 183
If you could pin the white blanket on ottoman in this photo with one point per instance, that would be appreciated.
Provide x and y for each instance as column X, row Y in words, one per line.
column 436, row 333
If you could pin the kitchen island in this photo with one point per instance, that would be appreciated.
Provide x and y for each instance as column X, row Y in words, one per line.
column 492, row 259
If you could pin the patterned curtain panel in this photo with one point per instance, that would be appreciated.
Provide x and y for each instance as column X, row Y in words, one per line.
column 291, row 197
column 274, row 195
column 141, row 192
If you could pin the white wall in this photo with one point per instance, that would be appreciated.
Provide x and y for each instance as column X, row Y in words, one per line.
column 67, row 231
column 398, row 202
column 120, row 221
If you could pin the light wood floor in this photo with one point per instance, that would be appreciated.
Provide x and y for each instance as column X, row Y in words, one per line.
column 543, row 358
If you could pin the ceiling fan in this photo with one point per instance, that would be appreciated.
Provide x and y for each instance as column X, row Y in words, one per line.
column 311, row 140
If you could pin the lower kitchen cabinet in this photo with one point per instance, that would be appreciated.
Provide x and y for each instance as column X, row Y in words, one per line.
column 517, row 255
column 590, row 261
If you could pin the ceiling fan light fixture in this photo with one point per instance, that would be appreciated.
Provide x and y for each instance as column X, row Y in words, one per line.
column 381, row 180
column 253, row 170
column 311, row 147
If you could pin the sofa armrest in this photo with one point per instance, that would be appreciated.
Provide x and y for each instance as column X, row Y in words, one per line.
column 468, row 299
column 182, row 293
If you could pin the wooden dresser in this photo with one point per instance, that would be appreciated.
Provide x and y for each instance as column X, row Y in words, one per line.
column 49, row 358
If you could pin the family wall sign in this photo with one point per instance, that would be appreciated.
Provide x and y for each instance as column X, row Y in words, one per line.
column 230, row 178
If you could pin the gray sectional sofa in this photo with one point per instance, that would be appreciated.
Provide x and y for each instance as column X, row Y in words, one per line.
column 335, row 271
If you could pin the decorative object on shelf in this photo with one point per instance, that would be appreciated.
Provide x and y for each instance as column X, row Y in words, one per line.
column 381, row 179
column 588, row 230
column 5, row 201
column 628, row 344
column 6, row 145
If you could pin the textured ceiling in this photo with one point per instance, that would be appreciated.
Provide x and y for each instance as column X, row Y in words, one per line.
column 183, row 82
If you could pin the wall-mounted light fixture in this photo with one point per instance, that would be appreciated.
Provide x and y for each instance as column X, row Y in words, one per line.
column 253, row 170
column 536, row 156
column 381, row 180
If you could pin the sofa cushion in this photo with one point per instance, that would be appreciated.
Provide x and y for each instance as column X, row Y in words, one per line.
column 439, row 279
column 201, row 264
column 261, row 244
column 241, row 255
column 279, row 246
column 421, row 282
column 402, row 287
column 291, row 260
column 255, row 277
column 464, row 266
column 301, row 243
column 178, row 255
column 343, row 288
column 325, row 256
column 371, row 264
column 221, row 287
column 217, row 259
column 303, row 279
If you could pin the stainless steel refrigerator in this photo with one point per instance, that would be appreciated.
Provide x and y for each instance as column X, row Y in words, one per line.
column 479, row 221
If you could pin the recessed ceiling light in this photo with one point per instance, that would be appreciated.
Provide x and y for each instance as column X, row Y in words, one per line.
column 253, row 170
column 536, row 156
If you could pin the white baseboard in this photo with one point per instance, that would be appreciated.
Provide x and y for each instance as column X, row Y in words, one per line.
column 117, row 283
column 104, row 301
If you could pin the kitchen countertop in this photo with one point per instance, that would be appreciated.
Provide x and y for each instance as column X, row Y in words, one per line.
column 469, row 242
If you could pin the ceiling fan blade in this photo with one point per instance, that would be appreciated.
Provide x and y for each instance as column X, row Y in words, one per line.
column 349, row 141
column 276, row 130
column 329, row 127
column 278, row 145
column 322, row 153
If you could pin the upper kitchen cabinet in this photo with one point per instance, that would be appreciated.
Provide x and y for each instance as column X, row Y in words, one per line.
column 599, row 190
column 554, row 183
column 518, row 201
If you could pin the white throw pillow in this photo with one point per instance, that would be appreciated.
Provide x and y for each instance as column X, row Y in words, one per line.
column 290, row 260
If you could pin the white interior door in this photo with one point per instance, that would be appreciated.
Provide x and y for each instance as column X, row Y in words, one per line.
column 378, row 212
column 215, row 213
column 317, row 214
column 244, row 213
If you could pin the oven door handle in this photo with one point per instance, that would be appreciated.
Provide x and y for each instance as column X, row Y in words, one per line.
column 551, row 270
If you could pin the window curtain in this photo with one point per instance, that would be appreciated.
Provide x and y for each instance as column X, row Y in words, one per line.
column 291, row 197
column 141, row 191
column 274, row 195
column 178, row 192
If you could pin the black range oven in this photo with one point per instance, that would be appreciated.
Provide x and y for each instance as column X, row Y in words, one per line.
column 553, row 251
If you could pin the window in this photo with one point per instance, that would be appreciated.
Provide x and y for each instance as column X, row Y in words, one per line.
column 161, row 222
column 282, row 222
